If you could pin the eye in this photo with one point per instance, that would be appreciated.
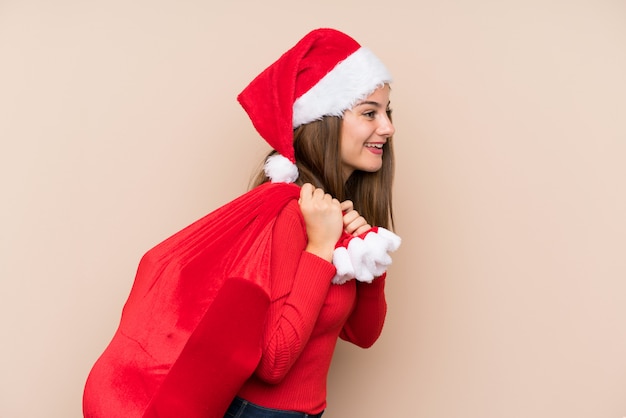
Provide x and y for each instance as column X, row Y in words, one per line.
column 371, row 114
column 389, row 111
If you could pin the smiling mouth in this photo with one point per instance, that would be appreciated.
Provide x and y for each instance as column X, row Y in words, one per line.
column 377, row 146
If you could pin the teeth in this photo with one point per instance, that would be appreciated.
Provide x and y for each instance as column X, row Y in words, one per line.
column 379, row 146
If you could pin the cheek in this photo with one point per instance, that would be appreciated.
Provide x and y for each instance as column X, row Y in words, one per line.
column 354, row 135
column 350, row 145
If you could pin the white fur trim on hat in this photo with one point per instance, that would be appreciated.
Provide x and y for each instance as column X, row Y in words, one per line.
column 351, row 80
column 365, row 258
column 280, row 169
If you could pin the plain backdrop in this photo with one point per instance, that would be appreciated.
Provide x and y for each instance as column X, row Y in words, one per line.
column 119, row 126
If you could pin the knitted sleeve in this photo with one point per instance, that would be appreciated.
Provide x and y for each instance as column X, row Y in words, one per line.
column 366, row 321
column 299, row 285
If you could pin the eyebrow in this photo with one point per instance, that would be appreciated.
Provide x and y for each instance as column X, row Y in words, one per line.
column 371, row 103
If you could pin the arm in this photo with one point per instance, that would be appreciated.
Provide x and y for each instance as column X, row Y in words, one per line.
column 366, row 321
column 301, row 275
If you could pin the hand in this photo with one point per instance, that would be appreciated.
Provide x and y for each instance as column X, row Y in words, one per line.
column 323, row 219
column 353, row 222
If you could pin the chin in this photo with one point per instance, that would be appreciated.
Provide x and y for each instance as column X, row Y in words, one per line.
column 372, row 169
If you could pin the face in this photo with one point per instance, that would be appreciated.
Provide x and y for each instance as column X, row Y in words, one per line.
column 365, row 129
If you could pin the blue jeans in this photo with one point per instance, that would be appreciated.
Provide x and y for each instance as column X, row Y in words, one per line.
column 240, row 408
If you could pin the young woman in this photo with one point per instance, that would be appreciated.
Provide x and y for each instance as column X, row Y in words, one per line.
column 248, row 303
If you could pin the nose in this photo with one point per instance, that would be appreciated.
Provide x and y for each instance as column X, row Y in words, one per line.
column 385, row 127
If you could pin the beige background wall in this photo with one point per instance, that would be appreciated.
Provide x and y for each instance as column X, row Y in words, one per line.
column 119, row 126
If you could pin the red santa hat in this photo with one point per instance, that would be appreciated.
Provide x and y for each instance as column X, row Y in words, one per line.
column 324, row 74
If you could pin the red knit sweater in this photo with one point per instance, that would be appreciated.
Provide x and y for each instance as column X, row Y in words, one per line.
column 306, row 316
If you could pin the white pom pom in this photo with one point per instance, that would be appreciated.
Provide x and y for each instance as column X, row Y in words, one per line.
column 341, row 261
column 359, row 253
column 280, row 170
column 393, row 241
column 365, row 258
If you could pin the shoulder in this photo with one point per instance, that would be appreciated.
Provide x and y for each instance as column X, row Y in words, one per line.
column 291, row 216
column 280, row 200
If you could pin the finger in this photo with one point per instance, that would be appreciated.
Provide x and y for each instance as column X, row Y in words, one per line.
column 349, row 217
column 347, row 206
column 355, row 225
column 319, row 193
column 306, row 192
column 362, row 229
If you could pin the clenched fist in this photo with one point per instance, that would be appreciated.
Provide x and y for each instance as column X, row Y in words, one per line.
column 323, row 218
